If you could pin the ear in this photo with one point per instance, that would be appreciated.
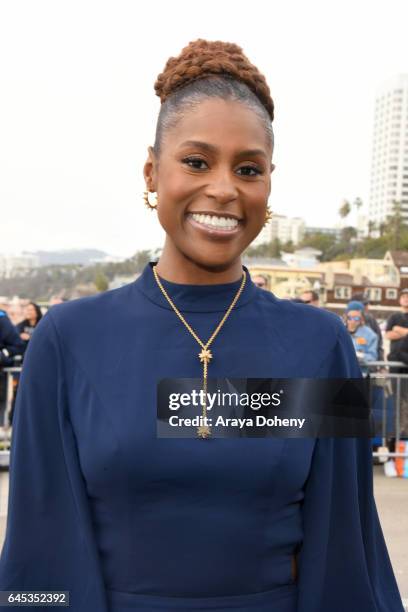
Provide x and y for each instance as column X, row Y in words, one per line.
column 150, row 170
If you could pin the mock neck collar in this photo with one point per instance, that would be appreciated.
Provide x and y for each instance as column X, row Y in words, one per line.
column 194, row 298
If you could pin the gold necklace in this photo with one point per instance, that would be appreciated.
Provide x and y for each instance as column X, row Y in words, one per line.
column 203, row 431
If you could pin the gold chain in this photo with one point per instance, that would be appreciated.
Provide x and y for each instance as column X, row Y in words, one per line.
column 204, row 430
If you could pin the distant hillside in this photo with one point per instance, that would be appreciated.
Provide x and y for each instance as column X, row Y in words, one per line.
column 83, row 257
column 68, row 280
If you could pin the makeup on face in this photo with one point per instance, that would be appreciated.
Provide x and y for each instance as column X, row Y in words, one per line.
column 213, row 180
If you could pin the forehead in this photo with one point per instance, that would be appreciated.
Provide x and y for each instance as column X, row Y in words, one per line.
column 228, row 124
column 354, row 313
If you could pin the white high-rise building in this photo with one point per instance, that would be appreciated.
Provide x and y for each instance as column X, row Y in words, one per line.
column 281, row 227
column 389, row 162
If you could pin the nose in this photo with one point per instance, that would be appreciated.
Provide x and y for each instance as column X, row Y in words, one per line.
column 222, row 188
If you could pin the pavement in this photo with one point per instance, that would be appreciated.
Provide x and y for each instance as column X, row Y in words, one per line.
column 391, row 496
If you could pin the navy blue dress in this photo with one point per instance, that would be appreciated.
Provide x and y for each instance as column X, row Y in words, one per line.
column 125, row 521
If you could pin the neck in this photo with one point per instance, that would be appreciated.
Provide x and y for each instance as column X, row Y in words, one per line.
column 174, row 266
column 404, row 309
column 32, row 321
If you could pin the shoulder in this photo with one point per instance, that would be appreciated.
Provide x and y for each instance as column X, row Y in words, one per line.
column 5, row 322
column 88, row 320
column 97, row 307
column 393, row 317
column 316, row 339
column 306, row 320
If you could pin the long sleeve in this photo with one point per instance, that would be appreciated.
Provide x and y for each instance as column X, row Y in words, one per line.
column 344, row 563
column 49, row 541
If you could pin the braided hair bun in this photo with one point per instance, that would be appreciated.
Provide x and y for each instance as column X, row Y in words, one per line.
column 203, row 58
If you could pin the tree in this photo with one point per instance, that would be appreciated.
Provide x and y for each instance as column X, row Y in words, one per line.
column 382, row 226
column 358, row 202
column 268, row 249
column 348, row 233
column 345, row 209
column 100, row 281
column 288, row 247
column 372, row 226
column 395, row 225
column 318, row 240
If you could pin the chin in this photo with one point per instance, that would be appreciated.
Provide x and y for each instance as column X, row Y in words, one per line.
column 215, row 261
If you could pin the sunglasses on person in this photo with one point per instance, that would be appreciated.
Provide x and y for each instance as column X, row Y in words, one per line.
column 353, row 318
column 261, row 284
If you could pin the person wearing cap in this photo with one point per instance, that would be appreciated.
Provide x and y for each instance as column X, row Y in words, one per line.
column 371, row 321
column 365, row 340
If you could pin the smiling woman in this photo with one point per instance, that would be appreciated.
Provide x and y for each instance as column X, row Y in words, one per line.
column 126, row 520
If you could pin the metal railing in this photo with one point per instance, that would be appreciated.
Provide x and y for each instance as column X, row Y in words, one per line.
column 6, row 430
column 379, row 375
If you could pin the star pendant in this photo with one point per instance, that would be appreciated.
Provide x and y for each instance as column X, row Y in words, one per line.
column 205, row 355
column 203, row 431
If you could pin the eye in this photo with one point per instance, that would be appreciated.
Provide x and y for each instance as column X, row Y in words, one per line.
column 249, row 171
column 197, row 163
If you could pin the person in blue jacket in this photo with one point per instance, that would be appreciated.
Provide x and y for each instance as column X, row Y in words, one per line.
column 365, row 340
column 125, row 520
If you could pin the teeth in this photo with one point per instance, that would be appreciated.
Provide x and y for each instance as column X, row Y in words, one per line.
column 214, row 221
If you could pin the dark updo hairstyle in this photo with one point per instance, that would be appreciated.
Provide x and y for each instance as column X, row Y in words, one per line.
column 210, row 69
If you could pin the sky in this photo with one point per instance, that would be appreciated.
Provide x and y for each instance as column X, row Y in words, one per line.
column 78, row 108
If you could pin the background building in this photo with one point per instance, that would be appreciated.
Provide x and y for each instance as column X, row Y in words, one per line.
column 389, row 162
column 14, row 265
column 283, row 228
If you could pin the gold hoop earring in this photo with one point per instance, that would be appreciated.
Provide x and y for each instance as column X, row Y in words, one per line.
column 268, row 215
column 146, row 201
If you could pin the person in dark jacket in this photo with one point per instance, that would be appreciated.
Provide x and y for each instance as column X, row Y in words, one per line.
column 26, row 327
column 10, row 342
column 10, row 346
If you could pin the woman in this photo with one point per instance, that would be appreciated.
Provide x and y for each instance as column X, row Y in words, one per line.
column 126, row 520
column 26, row 327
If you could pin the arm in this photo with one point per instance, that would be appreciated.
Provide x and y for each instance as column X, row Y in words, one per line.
column 400, row 331
column 343, row 563
column 10, row 342
column 49, row 541
column 393, row 331
column 392, row 335
column 371, row 353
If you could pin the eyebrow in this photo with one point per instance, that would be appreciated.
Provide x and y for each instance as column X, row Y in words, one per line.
column 213, row 149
